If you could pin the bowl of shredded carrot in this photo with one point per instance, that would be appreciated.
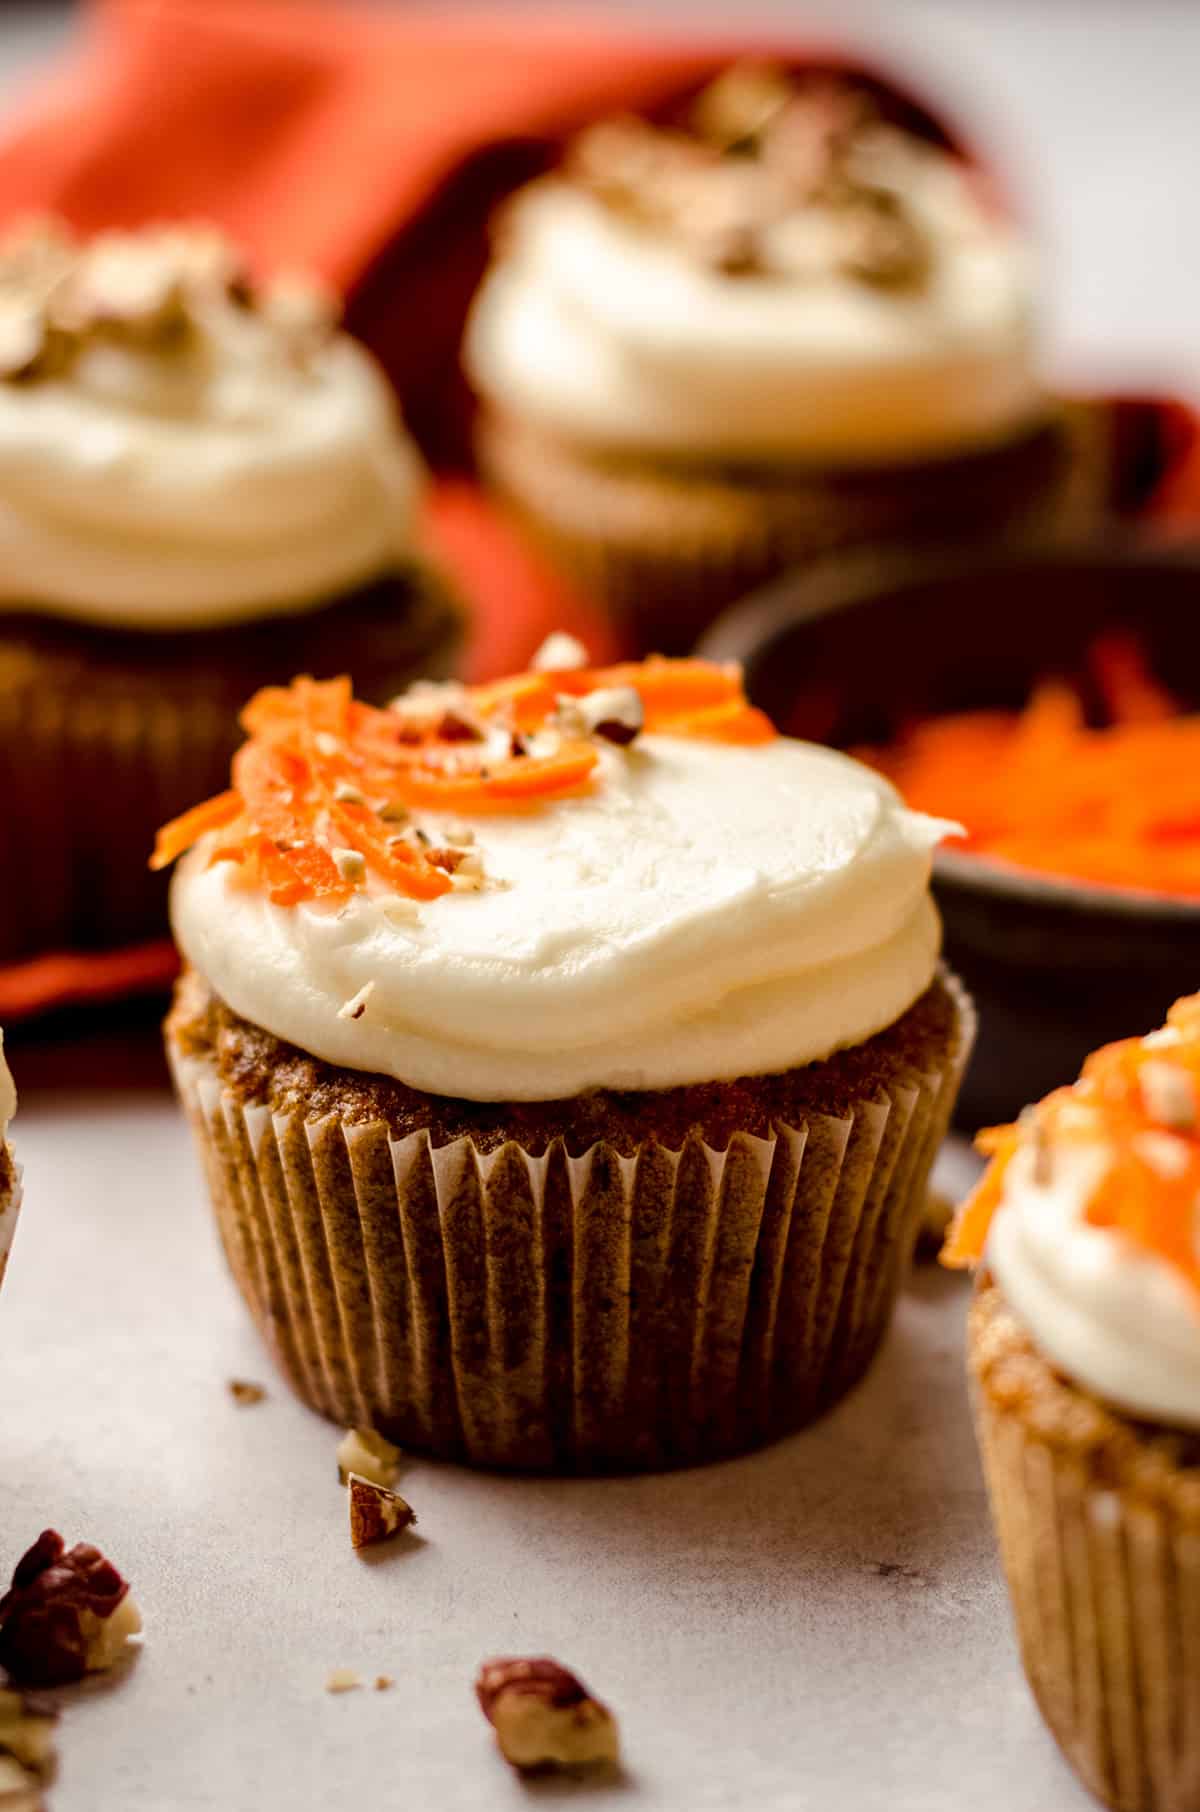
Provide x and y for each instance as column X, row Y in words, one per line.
column 1048, row 700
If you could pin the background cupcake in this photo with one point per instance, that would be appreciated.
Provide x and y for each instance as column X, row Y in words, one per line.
column 10, row 1178
column 567, row 1058
column 1084, row 1354
column 199, row 477
column 782, row 319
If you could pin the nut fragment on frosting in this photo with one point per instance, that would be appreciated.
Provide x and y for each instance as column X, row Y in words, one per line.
column 182, row 442
column 67, row 1613
column 543, row 1715
column 144, row 288
column 767, row 174
column 324, row 779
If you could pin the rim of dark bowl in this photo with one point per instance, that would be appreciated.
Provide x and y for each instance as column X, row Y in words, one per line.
column 857, row 579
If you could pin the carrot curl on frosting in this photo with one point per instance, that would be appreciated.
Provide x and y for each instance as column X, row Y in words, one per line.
column 1139, row 1102
column 324, row 783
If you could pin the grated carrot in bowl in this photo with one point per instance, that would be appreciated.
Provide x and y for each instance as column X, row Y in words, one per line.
column 323, row 780
column 1041, row 789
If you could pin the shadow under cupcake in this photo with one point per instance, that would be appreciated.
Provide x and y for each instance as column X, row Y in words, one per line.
column 200, row 477
column 567, row 1058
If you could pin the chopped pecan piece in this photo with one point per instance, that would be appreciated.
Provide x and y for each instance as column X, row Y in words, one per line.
column 543, row 1715
column 67, row 1613
column 376, row 1512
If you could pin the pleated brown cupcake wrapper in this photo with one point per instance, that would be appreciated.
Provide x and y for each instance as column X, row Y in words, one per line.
column 10, row 1208
column 86, row 781
column 1105, row 1588
column 544, row 1311
column 665, row 551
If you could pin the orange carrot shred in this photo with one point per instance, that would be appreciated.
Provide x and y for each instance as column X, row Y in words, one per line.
column 323, row 780
column 185, row 830
column 1043, row 789
column 1136, row 1103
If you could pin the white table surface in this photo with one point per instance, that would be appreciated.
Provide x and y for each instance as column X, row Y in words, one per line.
column 818, row 1627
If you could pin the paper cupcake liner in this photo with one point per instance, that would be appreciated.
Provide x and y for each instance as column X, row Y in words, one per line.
column 10, row 1203
column 1098, row 1522
column 545, row 1311
column 105, row 736
column 667, row 547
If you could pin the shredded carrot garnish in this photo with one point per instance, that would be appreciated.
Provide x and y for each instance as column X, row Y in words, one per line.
column 1042, row 789
column 323, row 785
column 1136, row 1102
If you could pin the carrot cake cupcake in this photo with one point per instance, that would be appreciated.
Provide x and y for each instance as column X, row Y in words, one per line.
column 199, row 477
column 784, row 318
column 10, row 1176
column 1084, row 1349
column 567, row 1057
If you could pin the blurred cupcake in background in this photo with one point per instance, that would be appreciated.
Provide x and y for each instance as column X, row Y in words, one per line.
column 783, row 320
column 10, row 1176
column 201, row 480
column 1084, row 1358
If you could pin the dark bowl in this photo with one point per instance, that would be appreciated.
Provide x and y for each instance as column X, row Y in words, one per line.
column 845, row 653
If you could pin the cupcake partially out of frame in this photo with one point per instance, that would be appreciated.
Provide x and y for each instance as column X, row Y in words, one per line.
column 200, row 478
column 10, row 1176
column 1084, row 1356
column 567, row 1057
column 777, row 322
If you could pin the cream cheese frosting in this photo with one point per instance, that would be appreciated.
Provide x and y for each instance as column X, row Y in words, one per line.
column 702, row 912
column 1119, row 1321
column 212, row 463
column 601, row 330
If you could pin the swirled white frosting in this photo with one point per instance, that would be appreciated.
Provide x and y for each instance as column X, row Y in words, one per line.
column 1118, row 1320
column 197, row 486
column 704, row 912
column 597, row 329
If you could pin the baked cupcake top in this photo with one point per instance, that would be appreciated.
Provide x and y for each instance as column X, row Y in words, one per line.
column 779, row 274
column 181, row 447
column 1087, row 1216
column 574, row 879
